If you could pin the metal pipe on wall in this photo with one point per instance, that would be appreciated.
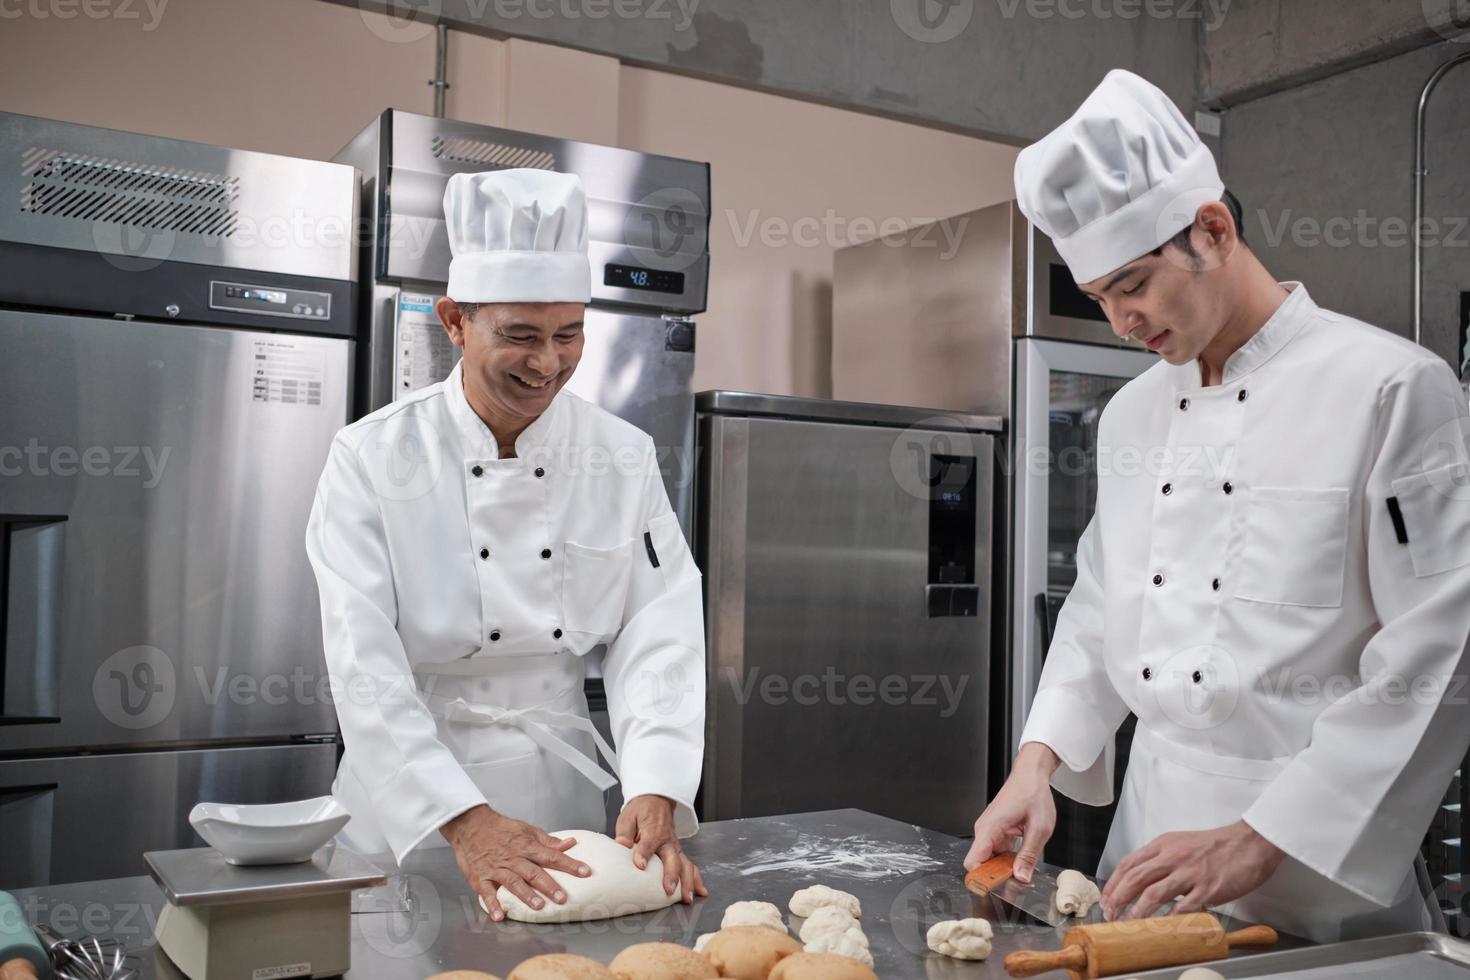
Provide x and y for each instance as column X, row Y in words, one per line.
column 441, row 61
column 1420, row 172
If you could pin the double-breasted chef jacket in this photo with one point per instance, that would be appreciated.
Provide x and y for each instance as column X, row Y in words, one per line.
column 1276, row 581
column 460, row 593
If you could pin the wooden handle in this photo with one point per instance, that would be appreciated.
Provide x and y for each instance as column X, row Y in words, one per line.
column 1030, row 962
column 1251, row 936
column 18, row 969
column 986, row 877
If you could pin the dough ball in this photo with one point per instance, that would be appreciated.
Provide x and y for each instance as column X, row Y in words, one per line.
column 661, row 961
column 749, row 952
column 463, row 975
column 560, row 966
column 702, row 942
column 753, row 914
column 1076, row 894
column 1201, row 973
column 616, row 886
column 808, row 900
column 963, row 939
column 852, row 943
column 828, row 918
column 821, row 966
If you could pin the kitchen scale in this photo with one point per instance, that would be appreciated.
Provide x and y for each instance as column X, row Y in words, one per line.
column 263, row 922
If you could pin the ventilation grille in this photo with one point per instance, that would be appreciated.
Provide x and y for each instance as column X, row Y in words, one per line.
column 498, row 155
column 91, row 188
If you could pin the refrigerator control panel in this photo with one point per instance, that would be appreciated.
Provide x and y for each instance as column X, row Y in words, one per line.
column 244, row 297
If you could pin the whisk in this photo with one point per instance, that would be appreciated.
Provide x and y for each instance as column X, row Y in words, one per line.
column 88, row 959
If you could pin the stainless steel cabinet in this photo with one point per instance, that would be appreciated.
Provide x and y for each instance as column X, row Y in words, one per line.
column 847, row 560
column 92, row 817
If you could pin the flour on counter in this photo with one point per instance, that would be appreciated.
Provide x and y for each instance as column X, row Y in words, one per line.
column 865, row 858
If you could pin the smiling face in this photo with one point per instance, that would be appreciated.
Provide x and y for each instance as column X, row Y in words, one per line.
column 1175, row 301
column 517, row 356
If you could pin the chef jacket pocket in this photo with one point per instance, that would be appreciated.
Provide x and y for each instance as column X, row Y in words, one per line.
column 1435, row 508
column 594, row 587
column 1294, row 548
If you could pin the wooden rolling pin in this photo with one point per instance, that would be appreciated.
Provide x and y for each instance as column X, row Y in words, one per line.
column 1110, row 949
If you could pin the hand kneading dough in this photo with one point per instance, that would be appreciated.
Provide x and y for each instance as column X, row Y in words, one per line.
column 1076, row 895
column 661, row 961
column 808, row 900
column 560, row 966
column 963, row 939
column 1201, row 973
column 753, row 914
column 615, row 888
column 749, row 952
column 828, row 918
column 821, row 966
column 852, row 943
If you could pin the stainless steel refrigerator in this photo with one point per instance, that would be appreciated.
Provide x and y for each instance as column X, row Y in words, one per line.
column 847, row 556
column 978, row 313
column 648, row 226
column 175, row 351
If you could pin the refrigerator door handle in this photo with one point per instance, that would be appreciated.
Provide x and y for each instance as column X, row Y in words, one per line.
column 28, row 827
column 32, row 551
column 1043, row 624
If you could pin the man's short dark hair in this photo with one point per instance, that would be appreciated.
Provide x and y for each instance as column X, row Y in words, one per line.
column 467, row 310
column 1181, row 241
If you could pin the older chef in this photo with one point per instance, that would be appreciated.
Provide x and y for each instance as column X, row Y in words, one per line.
column 1276, row 579
column 472, row 542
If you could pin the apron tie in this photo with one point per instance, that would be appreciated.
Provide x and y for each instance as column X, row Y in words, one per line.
column 537, row 723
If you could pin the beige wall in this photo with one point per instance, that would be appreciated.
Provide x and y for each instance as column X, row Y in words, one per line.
column 791, row 180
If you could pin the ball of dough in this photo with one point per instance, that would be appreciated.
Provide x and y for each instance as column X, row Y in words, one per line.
column 1201, row 973
column 749, row 952
column 463, row 975
column 963, row 939
column 808, row 900
column 1076, row 894
column 616, row 886
column 560, row 966
column 852, row 943
column 661, row 961
column 753, row 914
column 702, row 942
column 821, row 966
column 828, row 918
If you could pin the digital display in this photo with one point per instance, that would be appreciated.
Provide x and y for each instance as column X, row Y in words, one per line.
column 259, row 295
column 635, row 277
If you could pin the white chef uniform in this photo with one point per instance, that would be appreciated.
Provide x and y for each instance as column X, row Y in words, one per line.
column 1276, row 580
column 460, row 591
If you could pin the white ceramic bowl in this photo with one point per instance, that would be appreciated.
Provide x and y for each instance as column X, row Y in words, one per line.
column 272, row 833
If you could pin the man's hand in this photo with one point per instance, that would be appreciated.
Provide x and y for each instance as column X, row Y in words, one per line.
column 647, row 826
column 1206, row 867
column 494, row 850
column 1023, row 808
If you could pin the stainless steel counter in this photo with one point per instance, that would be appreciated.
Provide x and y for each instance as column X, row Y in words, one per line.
column 426, row 920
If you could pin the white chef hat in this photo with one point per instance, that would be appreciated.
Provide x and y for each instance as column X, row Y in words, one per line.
column 518, row 236
column 1119, row 179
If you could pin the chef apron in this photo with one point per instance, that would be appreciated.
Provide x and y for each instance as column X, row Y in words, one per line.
column 1170, row 786
column 520, row 728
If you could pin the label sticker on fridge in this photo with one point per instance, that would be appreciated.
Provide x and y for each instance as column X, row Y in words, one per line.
column 288, row 372
column 280, row 972
column 422, row 352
